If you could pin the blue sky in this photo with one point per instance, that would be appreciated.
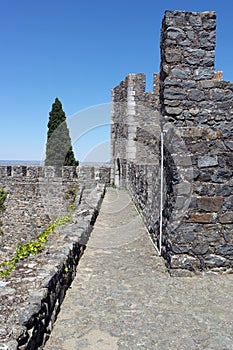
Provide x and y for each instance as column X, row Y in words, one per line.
column 77, row 51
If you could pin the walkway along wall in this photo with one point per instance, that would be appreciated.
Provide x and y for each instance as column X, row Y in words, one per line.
column 136, row 145
column 194, row 109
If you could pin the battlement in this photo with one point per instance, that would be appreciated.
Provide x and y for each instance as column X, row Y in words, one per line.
column 34, row 172
column 137, row 84
column 86, row 174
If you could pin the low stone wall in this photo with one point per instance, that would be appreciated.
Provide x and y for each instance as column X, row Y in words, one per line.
column 144, row 187
column 31, row 296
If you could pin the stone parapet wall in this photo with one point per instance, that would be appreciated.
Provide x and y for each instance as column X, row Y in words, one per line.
column 143, row 183
column 38, row 195
column 30, row 298
column 34, row 172
column 90, row 175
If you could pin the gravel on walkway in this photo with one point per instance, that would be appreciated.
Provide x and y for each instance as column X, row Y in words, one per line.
column 123, row 298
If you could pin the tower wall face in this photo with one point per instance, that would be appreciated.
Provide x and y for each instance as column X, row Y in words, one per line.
column 193, row 108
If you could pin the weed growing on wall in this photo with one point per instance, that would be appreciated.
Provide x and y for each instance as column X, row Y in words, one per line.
column 71, row 194
column 3, row 196
column 33, row 247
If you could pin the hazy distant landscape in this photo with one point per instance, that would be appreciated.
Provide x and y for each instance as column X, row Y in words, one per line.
column 20, row 162
column 38, row 162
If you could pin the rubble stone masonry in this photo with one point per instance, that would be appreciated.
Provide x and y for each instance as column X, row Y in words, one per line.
column 193, row 107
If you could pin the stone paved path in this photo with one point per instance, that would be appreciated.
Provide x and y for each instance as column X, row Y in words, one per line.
column 122, row 297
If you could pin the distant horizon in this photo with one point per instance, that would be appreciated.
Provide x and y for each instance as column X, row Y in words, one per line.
column 39, row 162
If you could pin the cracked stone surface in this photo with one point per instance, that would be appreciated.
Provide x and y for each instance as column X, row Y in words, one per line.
column 123, row 298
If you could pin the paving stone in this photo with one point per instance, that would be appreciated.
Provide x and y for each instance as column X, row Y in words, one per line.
column 123, row 297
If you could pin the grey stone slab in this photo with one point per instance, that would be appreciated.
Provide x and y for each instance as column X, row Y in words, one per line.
column 207, row 161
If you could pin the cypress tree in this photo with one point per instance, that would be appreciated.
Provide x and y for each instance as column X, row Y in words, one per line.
column 58, row 148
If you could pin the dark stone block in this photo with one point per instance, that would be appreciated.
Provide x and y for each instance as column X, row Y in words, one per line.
column 200, row 249
column 172, row 55
column 207, row 40
column 229, row 144
column 189, row 84
column 181, row 73
column 221, row 175
column 209, row 24
column 195, row 52
column 193, row 61
column 175, row 33
column 228, row 203
column 196, row 95
column 191, row 34
column 203, row 73
column 180, row 248
column 195, row 20
column 224, row 190
column 226, row 218
column 204, row 176
column 214, row 260
column 226, row 249
column 174, row 94
column 228, row 233
column 217, row 94
column 189, row 237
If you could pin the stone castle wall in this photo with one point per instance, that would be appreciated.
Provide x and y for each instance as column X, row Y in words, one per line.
column 135, row 144
column 199, row 107
column 194, row 108
column 38, row 195
column 31, row 296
